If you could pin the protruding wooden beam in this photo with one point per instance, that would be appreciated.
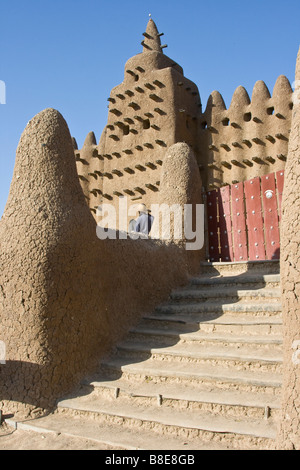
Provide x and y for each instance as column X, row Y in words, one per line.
column 149, row 86
column 129, row 120
column 235, row 125
column 134, row 105
column 115, row 111
column 130, row 72
column 139, row 190
column 151, row 187
column 140, row 167
column 247, row 162
column 226, row 164
column 117, row 172
column 225, row 146
column 146, row 45
column 258, row 141
column 155, row 98
column 161, row 143
column 129, row 170
column 281, row 136
column 160, row 111
column 257, row 160
column 108, row 175
column 129, row 192
column 213, row 147
column 151, row 165
column 159, row 84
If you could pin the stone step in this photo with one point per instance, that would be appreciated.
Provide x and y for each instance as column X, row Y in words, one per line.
column 172, row 422
column 168, row 336
column 240, row 267
column 258, row 279
column 113, row 436
column 229, row 293
column 217, row 308
column 228, row 324
column 228, row 403
column 234, row 357
column 204, row 375
column 203, row 371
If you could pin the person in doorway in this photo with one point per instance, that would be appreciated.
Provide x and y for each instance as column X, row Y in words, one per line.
column 144, row 221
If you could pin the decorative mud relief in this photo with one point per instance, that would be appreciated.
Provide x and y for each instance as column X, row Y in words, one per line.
column 243, row 219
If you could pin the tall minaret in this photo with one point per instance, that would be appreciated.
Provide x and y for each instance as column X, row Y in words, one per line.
column 153, row 108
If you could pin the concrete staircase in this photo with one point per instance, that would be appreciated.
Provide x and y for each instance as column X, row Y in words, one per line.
column 203, row 371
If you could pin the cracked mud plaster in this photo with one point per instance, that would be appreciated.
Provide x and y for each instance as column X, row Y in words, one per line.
column 289, row 429
column 66, row 296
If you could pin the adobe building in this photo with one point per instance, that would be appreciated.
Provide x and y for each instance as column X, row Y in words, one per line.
column 67, row 298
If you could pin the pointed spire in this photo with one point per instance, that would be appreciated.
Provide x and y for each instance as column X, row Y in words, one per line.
column 215, row 100
column 240, row 98
column 152, row 38
column 282, row 88
column 90, row 140
column 260, row 92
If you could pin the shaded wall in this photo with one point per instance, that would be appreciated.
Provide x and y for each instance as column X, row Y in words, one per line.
column 65, row 295
column 289, row 432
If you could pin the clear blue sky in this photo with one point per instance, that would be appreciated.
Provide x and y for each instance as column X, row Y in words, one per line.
column 69, row 54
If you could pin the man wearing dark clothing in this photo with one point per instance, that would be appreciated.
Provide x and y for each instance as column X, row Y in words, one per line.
column 144, row 221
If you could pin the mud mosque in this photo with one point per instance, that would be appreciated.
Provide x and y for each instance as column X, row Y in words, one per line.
column 204, row 347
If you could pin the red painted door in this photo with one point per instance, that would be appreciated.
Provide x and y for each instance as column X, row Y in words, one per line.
column 244, row 219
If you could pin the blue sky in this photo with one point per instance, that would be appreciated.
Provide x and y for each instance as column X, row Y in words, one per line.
column 69, row 54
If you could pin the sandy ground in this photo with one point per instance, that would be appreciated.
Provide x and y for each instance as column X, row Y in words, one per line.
column 11, row 439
